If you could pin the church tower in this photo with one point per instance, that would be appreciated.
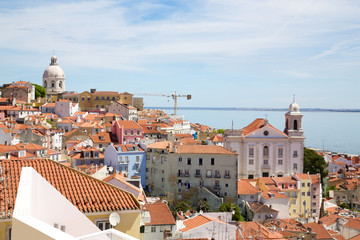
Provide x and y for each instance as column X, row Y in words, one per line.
column 54, row 78
column 293, row 121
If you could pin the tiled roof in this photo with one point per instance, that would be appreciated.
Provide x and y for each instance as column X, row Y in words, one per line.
column 353, row 223
column 203, row 149
column 356, row 237
column 303, row 176
column 52, row 105
column 269, row 195
column 196, row 222
column 321, row 232
column 128, row 124
column 160, row 145
column 106, row 93
column 244, row 187
column 102, row 137
column 315, row 178
column 217, row 138
column 189, row 141
column 86, row 193
column 160, row 214
column 257, row 124
column 330, row 219
column 257, row 207
column 251, row 230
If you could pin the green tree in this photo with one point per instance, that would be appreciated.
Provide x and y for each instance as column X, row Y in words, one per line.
column 314, row 163
column 203, row 206
column 229, row 207
column 40, row 91
column 221, row 131
column 182, row 206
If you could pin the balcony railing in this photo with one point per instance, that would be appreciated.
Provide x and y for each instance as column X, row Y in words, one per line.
column 186, row 175
column 209, row 175
column 197, row 175
column 217, row 176
column 217, row 187
column 227, row 176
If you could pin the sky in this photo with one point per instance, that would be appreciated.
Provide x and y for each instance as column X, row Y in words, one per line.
column 225, row 53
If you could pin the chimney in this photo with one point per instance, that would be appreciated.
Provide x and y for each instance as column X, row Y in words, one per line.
column 93, row 90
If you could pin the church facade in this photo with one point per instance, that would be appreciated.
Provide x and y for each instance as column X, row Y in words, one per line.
column 264, row 151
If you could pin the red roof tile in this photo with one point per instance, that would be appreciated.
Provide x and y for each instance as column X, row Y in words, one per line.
column 160, row 214
column 86, row 193
column 320, row 230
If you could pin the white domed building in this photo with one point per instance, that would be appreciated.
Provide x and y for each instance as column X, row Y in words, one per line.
column 54, row 78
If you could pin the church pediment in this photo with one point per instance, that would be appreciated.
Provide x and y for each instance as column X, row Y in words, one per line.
column 266, row 131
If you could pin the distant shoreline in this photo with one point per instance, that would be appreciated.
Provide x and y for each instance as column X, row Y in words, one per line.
column 256, row 109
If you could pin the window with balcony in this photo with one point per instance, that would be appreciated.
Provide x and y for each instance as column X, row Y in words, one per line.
column 197, row 173
column 180, row 173
column 126, row 159
column 186, row 173
column 227, row 174
column 217, row 174
column 97, row 98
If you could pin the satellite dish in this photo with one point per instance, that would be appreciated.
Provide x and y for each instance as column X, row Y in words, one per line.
column 111, row 168
column 114, row 219
column 201, row 212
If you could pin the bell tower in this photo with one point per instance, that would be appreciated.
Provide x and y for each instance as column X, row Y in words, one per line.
column 293, row 121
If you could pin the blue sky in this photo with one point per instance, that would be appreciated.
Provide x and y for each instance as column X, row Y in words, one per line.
column 226, row 53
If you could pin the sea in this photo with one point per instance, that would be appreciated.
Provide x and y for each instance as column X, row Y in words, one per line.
column 331, row 131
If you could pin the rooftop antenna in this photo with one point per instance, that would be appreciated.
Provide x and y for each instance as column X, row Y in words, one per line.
column 232, row 124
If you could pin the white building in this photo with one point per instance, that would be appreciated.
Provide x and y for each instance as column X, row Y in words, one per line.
column 265, row 151
column 65, row 108
column 127, row 111
column 54, row 78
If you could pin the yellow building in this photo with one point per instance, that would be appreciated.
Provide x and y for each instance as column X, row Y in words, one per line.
column 297, row 187
column 95, row 198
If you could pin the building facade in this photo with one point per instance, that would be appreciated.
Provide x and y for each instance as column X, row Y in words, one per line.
column 265, row 151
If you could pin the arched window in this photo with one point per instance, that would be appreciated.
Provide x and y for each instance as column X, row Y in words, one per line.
column 60, row 84
column 45, row 84
column 266, row 151
column 295, row 125
column 52, row 84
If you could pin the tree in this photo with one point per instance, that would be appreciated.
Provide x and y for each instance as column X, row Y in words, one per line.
column 314, row 163
column 203, row 206
column 221, row 131
column 182, row 206
column 40, row 91
column 229, row 207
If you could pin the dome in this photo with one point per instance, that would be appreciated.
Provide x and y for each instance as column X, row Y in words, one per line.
column 294, row 107
column 53, row 71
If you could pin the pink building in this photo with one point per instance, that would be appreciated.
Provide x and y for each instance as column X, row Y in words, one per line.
column 127, row 131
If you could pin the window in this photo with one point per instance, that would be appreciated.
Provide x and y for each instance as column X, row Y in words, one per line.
column 251, row 161
column 126, row 159
column 251, row 152
column 226, row 185
column 97, row 98
column 280, row 162
column 180, row 159
column 108, row 98
column 162, row 179
column 295, row 125
column 308, row 193
column 303, row 184
column 126, row 132
column 314, row 203
column 197, row 173
column 295, row 166
column 200, row 161
column 212, row 161
column 295, row 154
column 303, row 193
column 153, row 229
column 208, row 173
column 265, row 174
column 250, row 176
column 83, row 99
column 217, row 173
column 294, row 195
column 314, row 210
column 186, row 173
column 266, row 161
column 113, row 98
column 102, row 98
column 227, row 174
column 266, row 151
column 147, row 169
column 103, row 224
column 189, row 161
column 97, row 106
column 308, row 184
column 280, row 152
column 102, row 106
column 88, row 99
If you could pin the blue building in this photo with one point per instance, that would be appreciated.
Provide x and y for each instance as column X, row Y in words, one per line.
column 129, row 159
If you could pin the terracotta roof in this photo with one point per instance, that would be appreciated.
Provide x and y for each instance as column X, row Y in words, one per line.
column 356, row 237
column 106, row 93
column 244, row 187
column 257, row 124
column 160, row 214
column 353, row 223
column 330, row 219
column 128, row 124
column 269, row 195
column 203, row 149
column 86, row 193
column 102, row 137
column 257, row 207
column 315, row 178
column 320, row 230
column 251, row 230
column 49, row 105
column 160, row 145
column 189, row 141
column 303, row 176
column 196, row 222
column 217, row 138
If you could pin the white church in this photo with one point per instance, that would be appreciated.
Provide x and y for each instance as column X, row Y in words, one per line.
column 264, row 151
column 54, row 78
